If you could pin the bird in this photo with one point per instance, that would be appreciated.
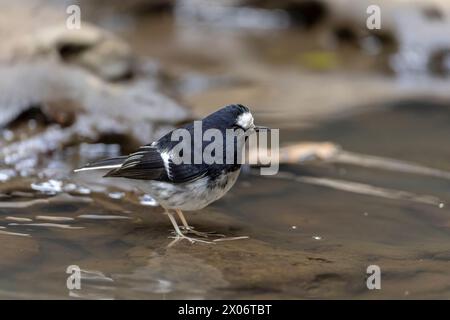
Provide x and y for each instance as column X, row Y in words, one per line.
column 187, row 185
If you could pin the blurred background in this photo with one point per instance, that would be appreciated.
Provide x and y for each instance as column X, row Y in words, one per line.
column 363, row 116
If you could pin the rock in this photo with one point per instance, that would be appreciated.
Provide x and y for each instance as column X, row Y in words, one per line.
column 136, row 7
column 82, row 106
column 439, row 62
column 89, row 47
column 63, row 80
column 306, row 13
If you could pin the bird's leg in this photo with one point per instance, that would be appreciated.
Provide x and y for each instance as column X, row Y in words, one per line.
column 189, row 229
column 178, row 234
column 183, row 220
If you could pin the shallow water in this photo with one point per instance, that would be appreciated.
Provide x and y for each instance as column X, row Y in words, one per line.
column 306, row 241
column 312, row 230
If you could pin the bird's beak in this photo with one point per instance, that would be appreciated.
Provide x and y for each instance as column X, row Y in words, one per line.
column 261, row 128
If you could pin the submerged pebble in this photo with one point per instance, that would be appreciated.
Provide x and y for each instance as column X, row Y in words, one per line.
column 116, row 195
column 83, row 190
column 148, row 200
column 48, row 187
column 70, row 187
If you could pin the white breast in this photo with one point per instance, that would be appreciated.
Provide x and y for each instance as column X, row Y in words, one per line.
column 189, row 196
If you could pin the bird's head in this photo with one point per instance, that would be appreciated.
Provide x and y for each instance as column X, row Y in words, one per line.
column 234, row 116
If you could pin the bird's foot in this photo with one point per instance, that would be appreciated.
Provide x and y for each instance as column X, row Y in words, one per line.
column 191, row 230
column 179, row 237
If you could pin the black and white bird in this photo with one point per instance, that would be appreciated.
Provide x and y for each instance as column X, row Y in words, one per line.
column 186, row 186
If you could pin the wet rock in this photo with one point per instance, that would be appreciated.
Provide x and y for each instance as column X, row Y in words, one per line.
column 136, row 7
column 82, row 106
column 433, row 13
column 62, row 113
column 89, row 47
column 371, row 41
column 424, row 50
column 306, row 13
column 439, row 63
column 56, row 88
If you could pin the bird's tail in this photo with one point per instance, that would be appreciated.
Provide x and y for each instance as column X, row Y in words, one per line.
column 111, row 163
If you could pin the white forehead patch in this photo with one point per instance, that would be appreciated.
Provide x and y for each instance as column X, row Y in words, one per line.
column 245, row 120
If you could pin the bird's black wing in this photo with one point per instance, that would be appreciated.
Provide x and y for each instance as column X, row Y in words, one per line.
column 186, row 172
column 144, row 164
column 155, row 161
column 147, row 164
column 178, row 173
column 191, row 171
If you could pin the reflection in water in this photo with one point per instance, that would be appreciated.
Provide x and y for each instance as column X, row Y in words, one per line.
column 18, row 219
column 61, row 198
column 14, row 233
column 53, row 218
column 370, row 190
column 46, row 225
column 174, row 274
column 388, row 164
